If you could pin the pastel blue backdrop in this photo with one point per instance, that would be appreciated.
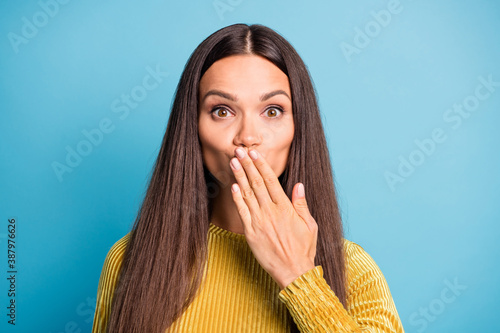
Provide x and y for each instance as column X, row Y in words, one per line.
column 409, row 93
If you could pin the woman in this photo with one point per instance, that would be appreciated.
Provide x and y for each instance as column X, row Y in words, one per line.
column 218, row 245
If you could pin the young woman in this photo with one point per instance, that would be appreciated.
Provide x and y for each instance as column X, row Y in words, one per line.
column 240, row 229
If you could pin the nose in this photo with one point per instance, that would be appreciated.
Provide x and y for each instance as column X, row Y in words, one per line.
column 249, row 133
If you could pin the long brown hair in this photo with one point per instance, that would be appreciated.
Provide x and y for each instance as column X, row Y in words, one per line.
column 165, row 258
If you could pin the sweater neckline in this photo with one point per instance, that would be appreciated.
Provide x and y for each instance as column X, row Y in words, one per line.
column 216, row 230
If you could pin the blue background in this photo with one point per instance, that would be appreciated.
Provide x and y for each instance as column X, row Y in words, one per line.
column 439, row 226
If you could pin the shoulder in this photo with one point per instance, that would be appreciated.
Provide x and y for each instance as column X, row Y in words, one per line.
column 351, row 247
column 118, row 248
column 107, row 283
column 115, row 254
column 355, row 252
column 359, row 264
column 110, row 270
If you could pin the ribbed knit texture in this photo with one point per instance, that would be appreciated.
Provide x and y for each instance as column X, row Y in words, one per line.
column 238, row 295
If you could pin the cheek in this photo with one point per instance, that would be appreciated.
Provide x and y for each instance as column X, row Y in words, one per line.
column 213, row 151
column 283, row 148
column 210, row 153
column 208, row 138
column 283, row 137
column 278, row 156
column 218, row 164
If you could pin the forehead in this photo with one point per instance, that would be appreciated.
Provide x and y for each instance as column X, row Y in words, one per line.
column 250, row 73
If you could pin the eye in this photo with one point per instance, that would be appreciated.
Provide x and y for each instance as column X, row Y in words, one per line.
column 221, row 114
column 275, row 110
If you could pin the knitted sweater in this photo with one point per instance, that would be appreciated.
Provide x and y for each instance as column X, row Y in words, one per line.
column 238, row 295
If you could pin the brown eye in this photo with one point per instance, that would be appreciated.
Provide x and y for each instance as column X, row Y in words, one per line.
column 223, row 114
column 273, row 112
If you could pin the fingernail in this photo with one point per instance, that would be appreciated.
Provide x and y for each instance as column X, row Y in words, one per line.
column 253, row 154
column 235, row 164
column 240, row 152
column 301, row 190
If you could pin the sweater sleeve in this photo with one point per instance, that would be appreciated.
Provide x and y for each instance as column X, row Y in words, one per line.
column 370, row 307
column 107, row 284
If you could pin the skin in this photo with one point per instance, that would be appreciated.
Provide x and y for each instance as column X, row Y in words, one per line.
column 281, row 233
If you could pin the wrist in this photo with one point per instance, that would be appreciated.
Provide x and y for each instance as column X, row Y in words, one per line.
column 284, row 282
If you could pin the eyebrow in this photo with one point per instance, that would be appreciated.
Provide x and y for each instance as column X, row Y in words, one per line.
column 230, row 97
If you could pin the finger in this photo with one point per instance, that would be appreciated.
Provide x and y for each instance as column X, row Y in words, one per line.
column 246, row 190
column 241, row 206
column 254, row 179
column 299, row 202
column 271, row 181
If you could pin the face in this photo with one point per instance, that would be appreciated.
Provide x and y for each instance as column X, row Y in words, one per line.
column 244, row 101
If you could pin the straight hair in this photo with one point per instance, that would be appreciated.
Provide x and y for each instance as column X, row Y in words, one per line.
column 164, row 261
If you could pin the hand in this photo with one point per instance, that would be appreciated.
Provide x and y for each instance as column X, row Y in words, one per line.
column 282, row 235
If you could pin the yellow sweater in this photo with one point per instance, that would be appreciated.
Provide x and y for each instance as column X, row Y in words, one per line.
column 240, row 296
